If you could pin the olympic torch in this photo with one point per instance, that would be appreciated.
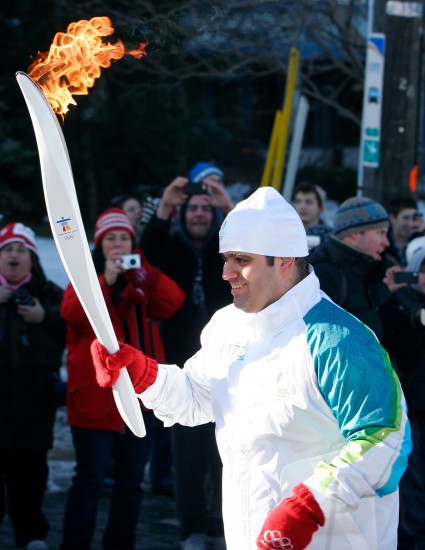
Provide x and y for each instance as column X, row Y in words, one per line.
column 59, row 189
column 71, row 240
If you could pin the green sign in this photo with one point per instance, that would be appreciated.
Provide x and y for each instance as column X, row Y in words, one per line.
column 371, row 151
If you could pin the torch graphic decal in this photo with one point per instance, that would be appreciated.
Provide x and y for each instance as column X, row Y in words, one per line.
column 57, row 75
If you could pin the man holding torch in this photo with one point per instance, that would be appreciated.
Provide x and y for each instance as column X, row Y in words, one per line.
column 310, row 418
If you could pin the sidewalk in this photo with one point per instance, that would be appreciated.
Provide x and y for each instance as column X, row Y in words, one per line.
column 157, row 528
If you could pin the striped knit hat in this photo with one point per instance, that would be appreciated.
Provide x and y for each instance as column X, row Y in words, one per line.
column 20, row 233
column 359, row 214
column 114, row 219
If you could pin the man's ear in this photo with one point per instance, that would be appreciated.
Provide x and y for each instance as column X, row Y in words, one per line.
column 351, row 239
column 285, row 262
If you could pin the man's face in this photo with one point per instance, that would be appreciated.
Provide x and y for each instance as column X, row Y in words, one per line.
column 372, row 242
column 198, row 217
column 403, row 225
column 254, row 284
column 308, row 208
column 418, row 223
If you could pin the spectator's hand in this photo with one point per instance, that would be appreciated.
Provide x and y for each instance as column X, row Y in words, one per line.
column 142, row 369
column 32, row 314
column 219, row 197
column 172, row 197
column 389, row 278
column 113, row 268
column 293, row 522
column 5, row 294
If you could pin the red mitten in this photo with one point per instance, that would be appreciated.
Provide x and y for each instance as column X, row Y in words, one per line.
column 293, row 522
column 142, row 369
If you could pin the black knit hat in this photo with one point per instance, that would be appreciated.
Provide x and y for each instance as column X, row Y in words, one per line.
column 359, row 214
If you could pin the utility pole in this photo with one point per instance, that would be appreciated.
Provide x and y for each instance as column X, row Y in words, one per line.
column 402, row 24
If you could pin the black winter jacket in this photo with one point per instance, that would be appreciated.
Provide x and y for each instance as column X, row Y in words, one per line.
column 29, row 354
column 405, row 340
column 190, row 268
column 353, row 280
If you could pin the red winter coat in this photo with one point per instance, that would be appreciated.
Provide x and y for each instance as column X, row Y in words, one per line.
column 142, row 303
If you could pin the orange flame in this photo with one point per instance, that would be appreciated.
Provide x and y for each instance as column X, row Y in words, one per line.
column 74, row 61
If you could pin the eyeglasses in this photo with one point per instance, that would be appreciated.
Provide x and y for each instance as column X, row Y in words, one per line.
column 195, row 207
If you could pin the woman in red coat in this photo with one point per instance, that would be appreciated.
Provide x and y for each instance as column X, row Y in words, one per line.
column 136, row 297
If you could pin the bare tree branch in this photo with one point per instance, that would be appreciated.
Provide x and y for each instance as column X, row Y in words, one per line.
column 235, row 39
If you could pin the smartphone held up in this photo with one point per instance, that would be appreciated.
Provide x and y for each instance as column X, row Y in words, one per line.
column 192, row 188
column 408, row 277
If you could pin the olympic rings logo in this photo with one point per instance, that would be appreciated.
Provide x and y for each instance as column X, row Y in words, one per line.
column 69, row 237
column 276, row 540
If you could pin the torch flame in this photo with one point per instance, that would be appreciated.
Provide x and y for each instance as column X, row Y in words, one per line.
column 74, row 61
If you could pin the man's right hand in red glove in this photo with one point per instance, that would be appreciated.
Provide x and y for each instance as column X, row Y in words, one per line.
column 142, row 369
column 293, row 522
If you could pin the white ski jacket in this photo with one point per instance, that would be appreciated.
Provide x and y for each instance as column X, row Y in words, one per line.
column 300, row 392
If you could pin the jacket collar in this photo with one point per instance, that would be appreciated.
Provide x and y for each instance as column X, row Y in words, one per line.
column 291, row 307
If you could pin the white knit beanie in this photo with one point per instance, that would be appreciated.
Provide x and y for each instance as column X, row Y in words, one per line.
column 266, row 224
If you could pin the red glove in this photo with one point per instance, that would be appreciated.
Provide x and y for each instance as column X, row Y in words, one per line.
column 293, row 522
column 142, row 369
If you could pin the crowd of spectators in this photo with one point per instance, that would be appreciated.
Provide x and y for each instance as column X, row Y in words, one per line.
column 161, row 307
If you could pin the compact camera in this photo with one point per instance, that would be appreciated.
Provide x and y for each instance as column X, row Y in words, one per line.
column 22, row 297
column 409, row 277
column 131, row 261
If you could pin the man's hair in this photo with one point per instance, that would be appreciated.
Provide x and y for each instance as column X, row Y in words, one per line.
column 301, row 264
column 397, row 204
column 36, row 268
column 306, row 187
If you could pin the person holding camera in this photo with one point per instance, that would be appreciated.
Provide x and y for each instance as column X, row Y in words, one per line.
column 404, row 323
column 32, row 340
column 189, row 255
column 137, row 295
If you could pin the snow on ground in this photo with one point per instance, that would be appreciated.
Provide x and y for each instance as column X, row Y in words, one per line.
column 61, row 457
column 51, row 262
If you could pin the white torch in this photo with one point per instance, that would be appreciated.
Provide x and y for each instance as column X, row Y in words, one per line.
column 70, row 238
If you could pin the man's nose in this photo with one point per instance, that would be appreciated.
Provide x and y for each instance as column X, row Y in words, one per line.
column 228, row 272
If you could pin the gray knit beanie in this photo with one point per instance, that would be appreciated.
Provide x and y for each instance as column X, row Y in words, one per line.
column 359, row 214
